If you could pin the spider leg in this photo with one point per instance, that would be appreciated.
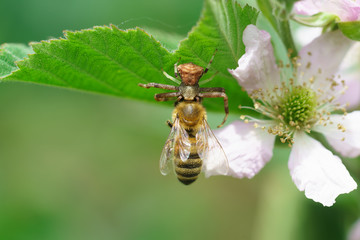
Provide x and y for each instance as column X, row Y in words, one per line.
column 158, row 85
column 171, row 78
column 215, row 94
column 175, row 68
column 212, row 89
column 212, row 58
column 209, row 79
column 161, row 97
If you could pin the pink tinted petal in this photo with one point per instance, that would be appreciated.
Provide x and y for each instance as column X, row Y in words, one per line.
column 305, row 35
column 354, row 233
column 352, row 94
column 257, row 67
column 350, row 146
column 321, row 59
column 318, row 172
column 350, row 73
column 306, row 7
column 247, row 148
column 346, row 10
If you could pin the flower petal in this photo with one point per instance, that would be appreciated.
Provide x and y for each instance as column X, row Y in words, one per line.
column 306, row 7
column 346, row 10
column 350, row 73
column 304, row 35
column 354, row 233
column 257, row 67
column 318, row 172
column 321, row 59
column 247, row 148
column 352, row 94
column 348, row 142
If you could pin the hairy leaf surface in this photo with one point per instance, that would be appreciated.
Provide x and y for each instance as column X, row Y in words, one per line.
column 9, row 54
column 111, row 61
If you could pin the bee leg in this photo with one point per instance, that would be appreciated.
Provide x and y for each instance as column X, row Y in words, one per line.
column 216, row 95
column 161, row 97
column 212, row 58
column 169, row 123
column 158, row 85
column 179, row 98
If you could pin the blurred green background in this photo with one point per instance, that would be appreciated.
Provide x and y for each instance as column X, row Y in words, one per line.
column 81, row 166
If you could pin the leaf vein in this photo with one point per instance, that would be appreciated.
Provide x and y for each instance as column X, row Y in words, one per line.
column 225, row 37
column 7, row 63
column 83, row 71
column 113, row 60
column 140, row 54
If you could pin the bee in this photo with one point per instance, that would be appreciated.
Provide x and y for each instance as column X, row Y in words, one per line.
column 191, row 146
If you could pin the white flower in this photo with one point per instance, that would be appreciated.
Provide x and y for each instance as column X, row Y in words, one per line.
column 350, row 72
column 346, row 10
column 349, row 69
column 293, row 105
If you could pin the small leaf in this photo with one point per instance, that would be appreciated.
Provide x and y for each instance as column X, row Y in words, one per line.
column 351, row 29
column 221, row 27
column 102, row 60
column 9, row 54
column 317, row 20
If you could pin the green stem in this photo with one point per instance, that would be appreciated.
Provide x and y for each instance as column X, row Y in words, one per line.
column 278, row 17
column 286, row 36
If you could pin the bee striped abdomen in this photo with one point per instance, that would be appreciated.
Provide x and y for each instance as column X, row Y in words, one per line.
column 189, row 170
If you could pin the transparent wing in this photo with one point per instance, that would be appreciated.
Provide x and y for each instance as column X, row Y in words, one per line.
column 178, row 141
column 182, row 142
column 210, row 151
column 167, row 154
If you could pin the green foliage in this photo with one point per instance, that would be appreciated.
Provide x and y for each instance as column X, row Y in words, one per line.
column 103, row 60
column 111, row 61
column 9, row 54
column 169, row 40
column 317, row 20
column 350, row 29
column 277, row 12
column 220, row 27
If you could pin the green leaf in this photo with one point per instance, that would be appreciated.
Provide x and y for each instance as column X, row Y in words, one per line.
column 169, row 40
column 221, row 27
column 9, row 54
column 111, row 61
column 351, row 29
column 266, row 8
column 102, row 60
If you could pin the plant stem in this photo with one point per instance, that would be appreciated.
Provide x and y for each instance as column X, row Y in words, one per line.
column 286, row 36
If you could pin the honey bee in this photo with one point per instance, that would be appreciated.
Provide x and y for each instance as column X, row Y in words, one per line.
column 191, row 146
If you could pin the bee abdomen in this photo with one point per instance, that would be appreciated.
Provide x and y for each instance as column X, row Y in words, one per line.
column 189, row 170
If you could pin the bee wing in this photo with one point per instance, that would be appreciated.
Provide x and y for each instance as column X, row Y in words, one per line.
column 178, row 139
column 210, row 151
